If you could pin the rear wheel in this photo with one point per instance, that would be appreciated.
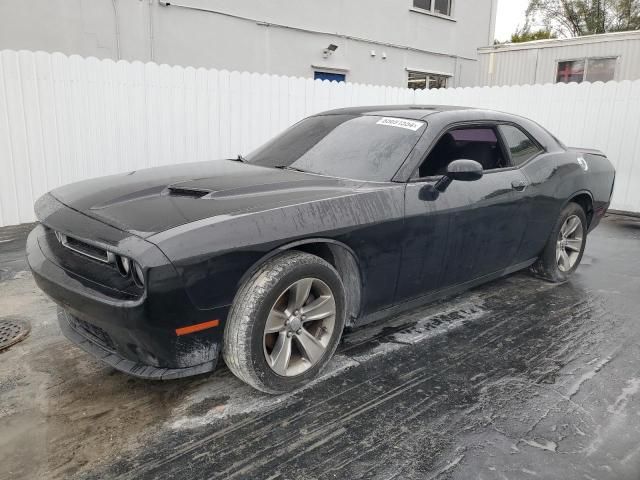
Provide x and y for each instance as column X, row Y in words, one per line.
column 285, row 323
column 565, row 247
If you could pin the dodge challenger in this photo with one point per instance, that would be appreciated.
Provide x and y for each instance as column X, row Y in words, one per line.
column 346, row 218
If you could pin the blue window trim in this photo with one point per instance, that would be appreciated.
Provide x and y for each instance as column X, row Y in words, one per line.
column 331, row 76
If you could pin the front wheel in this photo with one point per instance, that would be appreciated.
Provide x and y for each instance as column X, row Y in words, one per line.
column 285, row 323
column 565, row 247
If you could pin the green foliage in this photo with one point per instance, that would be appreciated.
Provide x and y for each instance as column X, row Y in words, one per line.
column 527, row 35
column 585, row 17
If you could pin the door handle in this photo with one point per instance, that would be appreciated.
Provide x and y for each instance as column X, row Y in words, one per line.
column 519, row 185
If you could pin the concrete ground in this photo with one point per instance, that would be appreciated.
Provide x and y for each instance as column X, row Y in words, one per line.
column 516, row 379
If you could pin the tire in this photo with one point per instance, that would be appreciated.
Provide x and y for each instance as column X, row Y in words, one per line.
column 552, row 265
column 264, row 300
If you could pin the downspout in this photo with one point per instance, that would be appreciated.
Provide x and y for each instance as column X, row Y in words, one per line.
column 456, row 73
column 491, row 41
column 115, row 18
column 492, row 23
column 151, row 53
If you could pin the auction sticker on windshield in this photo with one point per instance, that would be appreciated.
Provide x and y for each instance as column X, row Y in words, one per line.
column 401, row 123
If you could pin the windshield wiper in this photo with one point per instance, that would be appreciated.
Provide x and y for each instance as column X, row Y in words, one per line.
column 240, row 158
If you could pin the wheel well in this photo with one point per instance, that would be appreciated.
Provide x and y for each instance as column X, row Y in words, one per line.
column 344, row 261
column 584, row 200
column 321, row 250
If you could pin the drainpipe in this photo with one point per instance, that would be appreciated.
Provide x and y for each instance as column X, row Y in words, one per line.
column 115, row 18
column 151, row 52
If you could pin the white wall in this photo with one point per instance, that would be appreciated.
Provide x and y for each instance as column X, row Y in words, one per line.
column 63, row 119
column 604, row 116
column 284, row 37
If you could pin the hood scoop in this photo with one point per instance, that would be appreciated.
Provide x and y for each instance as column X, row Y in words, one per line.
column 254, row 186
column 198, row 189
column 178, row 191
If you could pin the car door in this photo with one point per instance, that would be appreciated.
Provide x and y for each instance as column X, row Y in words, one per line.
column 539, row 167
column 487, row 232
column 470, row 230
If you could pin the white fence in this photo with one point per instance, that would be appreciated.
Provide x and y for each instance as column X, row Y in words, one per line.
column 64, row 119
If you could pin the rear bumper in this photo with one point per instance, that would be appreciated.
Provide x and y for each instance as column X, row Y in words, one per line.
column 599, row 212
column 134, row 335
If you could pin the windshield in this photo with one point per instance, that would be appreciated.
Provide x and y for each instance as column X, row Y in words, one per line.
column 359, row 147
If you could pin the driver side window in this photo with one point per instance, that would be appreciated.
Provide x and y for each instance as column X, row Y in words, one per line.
column 471, row 143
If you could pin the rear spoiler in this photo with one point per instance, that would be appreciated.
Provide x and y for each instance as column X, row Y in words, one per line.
column 589, row 151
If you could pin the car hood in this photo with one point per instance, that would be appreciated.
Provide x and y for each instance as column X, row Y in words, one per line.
column 150, row 201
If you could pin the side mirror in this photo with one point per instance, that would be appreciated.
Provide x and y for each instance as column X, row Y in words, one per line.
column 465, row 170
column 462, row 171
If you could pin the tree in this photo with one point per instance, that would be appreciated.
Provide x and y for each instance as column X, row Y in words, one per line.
column 525, row 34
column 574, row 18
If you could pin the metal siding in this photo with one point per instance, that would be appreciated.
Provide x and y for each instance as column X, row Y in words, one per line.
column 64, row 119
column 516, row 67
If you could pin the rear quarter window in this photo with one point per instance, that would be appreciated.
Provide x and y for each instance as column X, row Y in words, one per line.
column 521, row 147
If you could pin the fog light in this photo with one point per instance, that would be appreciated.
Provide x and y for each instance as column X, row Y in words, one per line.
column 138, row 275
column 124, row 265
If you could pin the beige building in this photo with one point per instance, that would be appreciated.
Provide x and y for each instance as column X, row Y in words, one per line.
column 416, row 43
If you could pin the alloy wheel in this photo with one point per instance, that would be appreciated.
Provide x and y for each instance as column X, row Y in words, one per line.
column 569, row 243
column 299, row 327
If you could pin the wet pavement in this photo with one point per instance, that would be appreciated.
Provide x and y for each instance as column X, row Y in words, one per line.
column 516, row 379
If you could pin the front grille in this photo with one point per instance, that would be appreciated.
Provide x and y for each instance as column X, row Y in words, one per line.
column 92, row 333
column 85, row 249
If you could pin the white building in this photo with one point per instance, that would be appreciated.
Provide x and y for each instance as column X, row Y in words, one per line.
column 611, row 56
column 415, row 43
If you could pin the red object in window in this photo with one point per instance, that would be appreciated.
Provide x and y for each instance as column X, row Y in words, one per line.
column 565, row 73
column 570, row 72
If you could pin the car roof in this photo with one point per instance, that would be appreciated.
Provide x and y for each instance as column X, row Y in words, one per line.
column 412, row 112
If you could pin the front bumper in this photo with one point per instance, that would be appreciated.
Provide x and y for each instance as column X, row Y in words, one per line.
column 134, row 334
column 84, row 336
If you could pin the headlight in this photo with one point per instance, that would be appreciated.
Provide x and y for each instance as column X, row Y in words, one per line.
column 138, row 275
column 124, row 265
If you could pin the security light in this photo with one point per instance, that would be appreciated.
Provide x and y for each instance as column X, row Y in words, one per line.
column 327, row 52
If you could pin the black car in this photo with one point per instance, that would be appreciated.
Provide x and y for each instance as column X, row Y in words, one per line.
column 347, row 217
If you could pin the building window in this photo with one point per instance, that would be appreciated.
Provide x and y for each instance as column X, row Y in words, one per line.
column 426, row 81
column 441, row 7
column 423, row 4
column 586, row 70
column 601, row 69
column 572, row 71
column 331, row 76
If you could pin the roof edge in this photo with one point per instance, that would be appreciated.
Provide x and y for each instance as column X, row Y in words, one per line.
column 553, row 42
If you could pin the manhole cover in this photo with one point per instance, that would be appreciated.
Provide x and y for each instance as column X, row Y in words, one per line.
column 12, row 331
